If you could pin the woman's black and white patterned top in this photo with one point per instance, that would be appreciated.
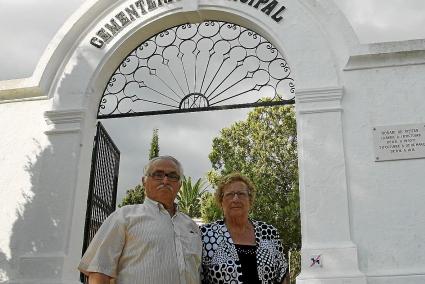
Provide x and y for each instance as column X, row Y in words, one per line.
column 220, row 261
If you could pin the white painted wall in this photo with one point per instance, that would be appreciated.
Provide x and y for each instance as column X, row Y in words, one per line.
column 365, row 218
column 386, row 197
column 22, row 143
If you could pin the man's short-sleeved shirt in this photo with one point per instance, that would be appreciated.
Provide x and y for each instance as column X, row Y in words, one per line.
column 144, row 244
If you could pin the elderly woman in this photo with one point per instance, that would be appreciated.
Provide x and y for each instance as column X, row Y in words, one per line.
column 237, row 249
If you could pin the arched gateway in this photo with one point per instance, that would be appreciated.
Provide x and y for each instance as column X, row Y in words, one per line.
column 338, row 90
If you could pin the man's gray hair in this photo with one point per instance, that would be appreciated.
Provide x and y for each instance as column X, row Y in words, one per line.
column 149, row 165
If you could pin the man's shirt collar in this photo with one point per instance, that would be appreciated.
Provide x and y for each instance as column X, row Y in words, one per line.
column 158, row 205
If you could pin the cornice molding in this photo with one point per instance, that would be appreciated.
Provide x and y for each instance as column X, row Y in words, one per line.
column 57, row 117
column 319, row 94
column 319, row 100
column 20, row 90
column 385, row 60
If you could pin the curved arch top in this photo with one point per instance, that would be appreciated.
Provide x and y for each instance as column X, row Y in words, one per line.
column 196, row 67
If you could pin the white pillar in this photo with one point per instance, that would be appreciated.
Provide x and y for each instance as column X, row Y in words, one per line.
column 325, row 218
column 44, row 245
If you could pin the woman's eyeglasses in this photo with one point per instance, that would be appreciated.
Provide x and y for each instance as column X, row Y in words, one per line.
column 243, row 194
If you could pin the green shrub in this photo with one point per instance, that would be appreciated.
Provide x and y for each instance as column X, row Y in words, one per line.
column 294, row 265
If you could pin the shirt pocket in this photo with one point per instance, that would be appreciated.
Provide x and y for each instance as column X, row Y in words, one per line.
column 192, row 248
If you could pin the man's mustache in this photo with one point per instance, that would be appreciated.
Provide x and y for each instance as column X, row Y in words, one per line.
column 161, row 186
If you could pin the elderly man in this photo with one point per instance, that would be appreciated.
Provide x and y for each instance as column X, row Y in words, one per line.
column 151, row 242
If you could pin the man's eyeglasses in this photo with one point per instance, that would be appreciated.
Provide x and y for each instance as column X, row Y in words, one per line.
column 241, row 194
column 159, row 175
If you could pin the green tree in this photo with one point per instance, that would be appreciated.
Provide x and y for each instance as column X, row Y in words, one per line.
column 189, row 196
column 154, row 150
column 136, row 195
column 264, row 148
column 294, row 257
column 210, row 211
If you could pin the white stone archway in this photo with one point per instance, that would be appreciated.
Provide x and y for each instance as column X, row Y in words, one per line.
column 314, row 59
column 314, row 37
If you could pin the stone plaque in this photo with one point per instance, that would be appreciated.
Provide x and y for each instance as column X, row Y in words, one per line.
column 397, row 142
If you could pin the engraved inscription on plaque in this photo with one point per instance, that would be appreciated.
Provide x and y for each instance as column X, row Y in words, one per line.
column 398, row 142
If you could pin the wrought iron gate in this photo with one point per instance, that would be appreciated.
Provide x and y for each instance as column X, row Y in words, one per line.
column 102, row 196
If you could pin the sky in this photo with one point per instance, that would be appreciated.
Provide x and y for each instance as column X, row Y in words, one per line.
column 27, row 30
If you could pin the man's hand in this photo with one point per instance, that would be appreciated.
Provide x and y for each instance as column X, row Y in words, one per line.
column 99, row 278
column 286, row 279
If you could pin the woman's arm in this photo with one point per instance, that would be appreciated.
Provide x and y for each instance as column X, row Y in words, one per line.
column 286, row 279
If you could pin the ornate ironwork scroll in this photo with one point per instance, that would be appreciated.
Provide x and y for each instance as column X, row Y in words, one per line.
column 196, row 67
column 102, row 195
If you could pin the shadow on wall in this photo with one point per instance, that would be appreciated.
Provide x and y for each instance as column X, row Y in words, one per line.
column 38, row 233
column 4, row 268
column 39, row 237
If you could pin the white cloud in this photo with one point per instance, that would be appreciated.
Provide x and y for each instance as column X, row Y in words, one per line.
column 385, row 20
column 27, row 28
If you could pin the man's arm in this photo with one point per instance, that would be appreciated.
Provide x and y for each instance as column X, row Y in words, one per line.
column 98, row 278
column 285, row 279
column 104, row 250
